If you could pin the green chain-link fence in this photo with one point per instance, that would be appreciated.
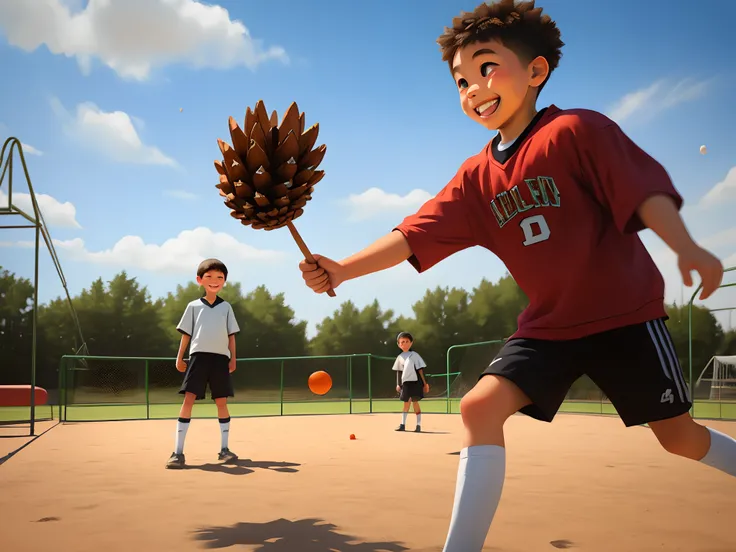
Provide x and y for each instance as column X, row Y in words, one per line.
column 118, row 388
column 126, row 388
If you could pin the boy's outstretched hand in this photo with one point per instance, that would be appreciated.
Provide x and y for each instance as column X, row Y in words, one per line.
column 323, row 276
column 706, row 265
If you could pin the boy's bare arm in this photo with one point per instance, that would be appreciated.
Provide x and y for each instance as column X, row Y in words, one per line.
column 385, row 252
column 660, row 214
column 231, row 346
column 183, row 344
column 421, row 375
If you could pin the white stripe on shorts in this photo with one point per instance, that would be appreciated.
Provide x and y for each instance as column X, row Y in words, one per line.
column 678, row 367
column 669, row 366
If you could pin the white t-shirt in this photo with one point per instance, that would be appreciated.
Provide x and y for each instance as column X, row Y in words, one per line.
column 209, row 326
column 408, row 363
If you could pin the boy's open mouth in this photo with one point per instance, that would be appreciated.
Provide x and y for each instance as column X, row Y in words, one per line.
column 488, row 108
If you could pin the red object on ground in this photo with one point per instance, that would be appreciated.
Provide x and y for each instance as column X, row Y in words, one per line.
column 20, row 395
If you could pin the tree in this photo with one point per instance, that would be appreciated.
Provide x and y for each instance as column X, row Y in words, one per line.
column 707, row 336
column 16, row 301
column 441, row 319
column 495, row 308
column 269, row 327
column 117, row 320
column 728, row 347
column 353, row 331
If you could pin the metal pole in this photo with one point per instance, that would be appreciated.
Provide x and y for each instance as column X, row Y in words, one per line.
column 447, row 376
column 60, row 385
column 350, row 382
column 370, row 387
column 33, row 334
column 281, row 386
column 690, row 347
column 148, row 404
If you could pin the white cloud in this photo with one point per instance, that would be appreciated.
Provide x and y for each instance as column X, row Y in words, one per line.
column 722, row 192
column 175, row 255
column 55, row 213
column 657, row 97
column 181, row 194
column 110, row 133
column 134, row 36
column 27, row 148
column 375, row 202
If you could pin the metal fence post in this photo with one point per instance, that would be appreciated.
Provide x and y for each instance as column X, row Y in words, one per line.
column 148, row 402
column 350, row 382
column 447, row 376
column 370, row 387
column 281, row 389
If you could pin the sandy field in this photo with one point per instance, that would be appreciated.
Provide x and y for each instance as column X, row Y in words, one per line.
column 584, row 483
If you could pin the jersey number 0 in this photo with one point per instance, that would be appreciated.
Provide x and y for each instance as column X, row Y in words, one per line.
column 535, row 229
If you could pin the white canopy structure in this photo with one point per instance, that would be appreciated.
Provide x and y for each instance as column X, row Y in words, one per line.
column 720, row 373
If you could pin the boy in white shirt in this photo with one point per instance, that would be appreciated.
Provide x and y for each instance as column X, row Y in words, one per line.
column 410, row 381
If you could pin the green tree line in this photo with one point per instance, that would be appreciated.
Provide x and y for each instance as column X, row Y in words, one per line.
column 120, row 318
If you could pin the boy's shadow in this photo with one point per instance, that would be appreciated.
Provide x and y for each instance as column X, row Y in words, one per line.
column 282, row 535
column 245, row 466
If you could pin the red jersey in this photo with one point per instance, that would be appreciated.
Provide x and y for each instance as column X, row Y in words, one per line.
column 559, row 208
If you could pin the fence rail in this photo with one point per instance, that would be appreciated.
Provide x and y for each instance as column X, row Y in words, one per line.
column 118, row 388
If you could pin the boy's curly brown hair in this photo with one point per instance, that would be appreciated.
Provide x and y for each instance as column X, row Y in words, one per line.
column 520, row 26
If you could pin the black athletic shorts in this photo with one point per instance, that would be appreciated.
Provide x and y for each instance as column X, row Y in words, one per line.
column 411, row 390
column 636, row 367
column 204, row 368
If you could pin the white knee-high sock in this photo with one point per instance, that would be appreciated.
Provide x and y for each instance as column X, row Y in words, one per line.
column 722, row 453
column 224, row 431
column 480, row 478
column 419, row 419
column 182, row 425
column 403, row 417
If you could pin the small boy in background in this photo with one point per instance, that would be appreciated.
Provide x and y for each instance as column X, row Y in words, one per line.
column 409, row 368
column 208, row 328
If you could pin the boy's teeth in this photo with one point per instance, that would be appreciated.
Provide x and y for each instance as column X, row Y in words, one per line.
column 482, row 108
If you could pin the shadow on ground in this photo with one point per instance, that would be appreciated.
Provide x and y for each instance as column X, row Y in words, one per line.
column 244, row 467
column 282, row 535
column 21, row 446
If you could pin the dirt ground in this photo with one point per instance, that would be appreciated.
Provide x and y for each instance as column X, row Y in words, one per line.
column 581, row 483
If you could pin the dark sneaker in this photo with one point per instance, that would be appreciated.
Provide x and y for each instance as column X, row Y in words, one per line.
column 401, row 428
column 175, row 462
column 226, row 456
column 418, row 429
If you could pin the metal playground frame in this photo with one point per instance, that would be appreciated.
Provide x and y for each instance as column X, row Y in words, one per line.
column 35, row 222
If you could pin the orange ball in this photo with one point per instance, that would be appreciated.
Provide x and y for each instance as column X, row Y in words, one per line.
column 320, row 382
column 352, row 436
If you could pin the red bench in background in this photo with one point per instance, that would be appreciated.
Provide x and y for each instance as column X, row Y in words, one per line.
column 20, row 395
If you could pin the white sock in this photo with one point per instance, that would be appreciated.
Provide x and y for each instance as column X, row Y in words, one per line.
column 419, row 419
column 722, row 453
column 182, row 425
column 480, row 478
column 403, row 417
column 224, row 431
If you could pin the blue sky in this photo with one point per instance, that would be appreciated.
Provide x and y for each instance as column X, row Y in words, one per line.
column 120, row 104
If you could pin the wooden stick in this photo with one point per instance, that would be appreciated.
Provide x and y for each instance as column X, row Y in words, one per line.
column 304, row 249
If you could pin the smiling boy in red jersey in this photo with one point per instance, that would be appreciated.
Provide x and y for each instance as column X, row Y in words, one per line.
column 559, row 196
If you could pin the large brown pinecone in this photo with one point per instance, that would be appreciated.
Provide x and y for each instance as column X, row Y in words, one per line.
column 269, row 173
